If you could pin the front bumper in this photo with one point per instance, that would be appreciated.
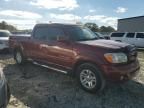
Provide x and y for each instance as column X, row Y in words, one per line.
column 121, row 72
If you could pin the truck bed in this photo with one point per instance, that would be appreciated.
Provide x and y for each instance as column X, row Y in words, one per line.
column 14, row 40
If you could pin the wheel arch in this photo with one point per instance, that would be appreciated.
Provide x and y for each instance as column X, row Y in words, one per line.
column 80, row 62
column 18, row 47
column 100, row 72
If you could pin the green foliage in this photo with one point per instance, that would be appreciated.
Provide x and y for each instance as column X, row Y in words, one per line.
column 106, row 29
column 5, row 26
column 94, row 27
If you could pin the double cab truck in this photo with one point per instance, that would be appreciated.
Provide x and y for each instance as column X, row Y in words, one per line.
column 77, row 51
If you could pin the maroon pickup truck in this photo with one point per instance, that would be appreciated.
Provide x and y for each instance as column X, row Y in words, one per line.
column 77, row 51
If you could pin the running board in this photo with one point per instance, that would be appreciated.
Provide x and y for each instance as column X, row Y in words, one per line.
column 65, row 72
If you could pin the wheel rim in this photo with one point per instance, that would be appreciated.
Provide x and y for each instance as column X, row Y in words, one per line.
column 18, row 57
column 88, row 78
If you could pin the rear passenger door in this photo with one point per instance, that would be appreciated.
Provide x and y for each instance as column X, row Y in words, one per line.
column 139, row 40
column 34, row 49
column 130, row 38
column 54, row 52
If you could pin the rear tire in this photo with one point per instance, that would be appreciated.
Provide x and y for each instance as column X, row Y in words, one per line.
column 90, row 78
column 19, row 58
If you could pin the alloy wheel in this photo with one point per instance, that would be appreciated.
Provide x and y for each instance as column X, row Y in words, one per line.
column 88, row 78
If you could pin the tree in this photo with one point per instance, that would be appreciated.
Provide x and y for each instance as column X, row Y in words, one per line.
column 94, row 27
column 4, row 25
column 106, row 29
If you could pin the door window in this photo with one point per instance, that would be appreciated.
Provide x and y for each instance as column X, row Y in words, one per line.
column 130, row 35
column 117, row 34
column 140, row 35
column 40, row 33
column 48, row 33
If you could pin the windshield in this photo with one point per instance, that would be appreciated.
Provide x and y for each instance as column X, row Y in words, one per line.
column 81, row 34
column 4, row 34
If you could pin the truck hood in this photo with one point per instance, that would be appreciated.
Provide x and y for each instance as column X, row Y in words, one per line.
column 105, row 43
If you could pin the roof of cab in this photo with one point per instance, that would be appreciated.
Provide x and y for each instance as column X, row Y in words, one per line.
column 55, row 24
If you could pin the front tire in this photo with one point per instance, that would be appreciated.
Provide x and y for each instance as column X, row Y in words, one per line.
column 90, row 78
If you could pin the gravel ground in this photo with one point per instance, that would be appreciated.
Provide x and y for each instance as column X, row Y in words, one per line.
column 36, row 87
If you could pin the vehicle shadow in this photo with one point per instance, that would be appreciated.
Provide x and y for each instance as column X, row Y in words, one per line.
column 39, row 87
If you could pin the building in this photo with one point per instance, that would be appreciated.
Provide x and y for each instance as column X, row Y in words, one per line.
column 133, row 24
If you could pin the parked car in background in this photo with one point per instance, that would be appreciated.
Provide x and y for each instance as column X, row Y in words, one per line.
column 136, row 39
column 77, row 51
column 4, row 91
column 4, row 39
column 106, row 37
column 101, row 36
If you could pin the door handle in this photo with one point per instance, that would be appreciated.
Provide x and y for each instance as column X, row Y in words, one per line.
column 43, row 46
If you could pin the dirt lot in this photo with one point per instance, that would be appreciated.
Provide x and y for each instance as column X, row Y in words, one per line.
column 36, row 87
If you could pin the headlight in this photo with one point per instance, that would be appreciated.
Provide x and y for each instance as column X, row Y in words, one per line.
column 116, row 57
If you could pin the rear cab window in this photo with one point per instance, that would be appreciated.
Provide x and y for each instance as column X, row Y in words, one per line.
column 140, row 35
column 117, row 34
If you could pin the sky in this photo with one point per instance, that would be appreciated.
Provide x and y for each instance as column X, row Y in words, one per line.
column 24, row 14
